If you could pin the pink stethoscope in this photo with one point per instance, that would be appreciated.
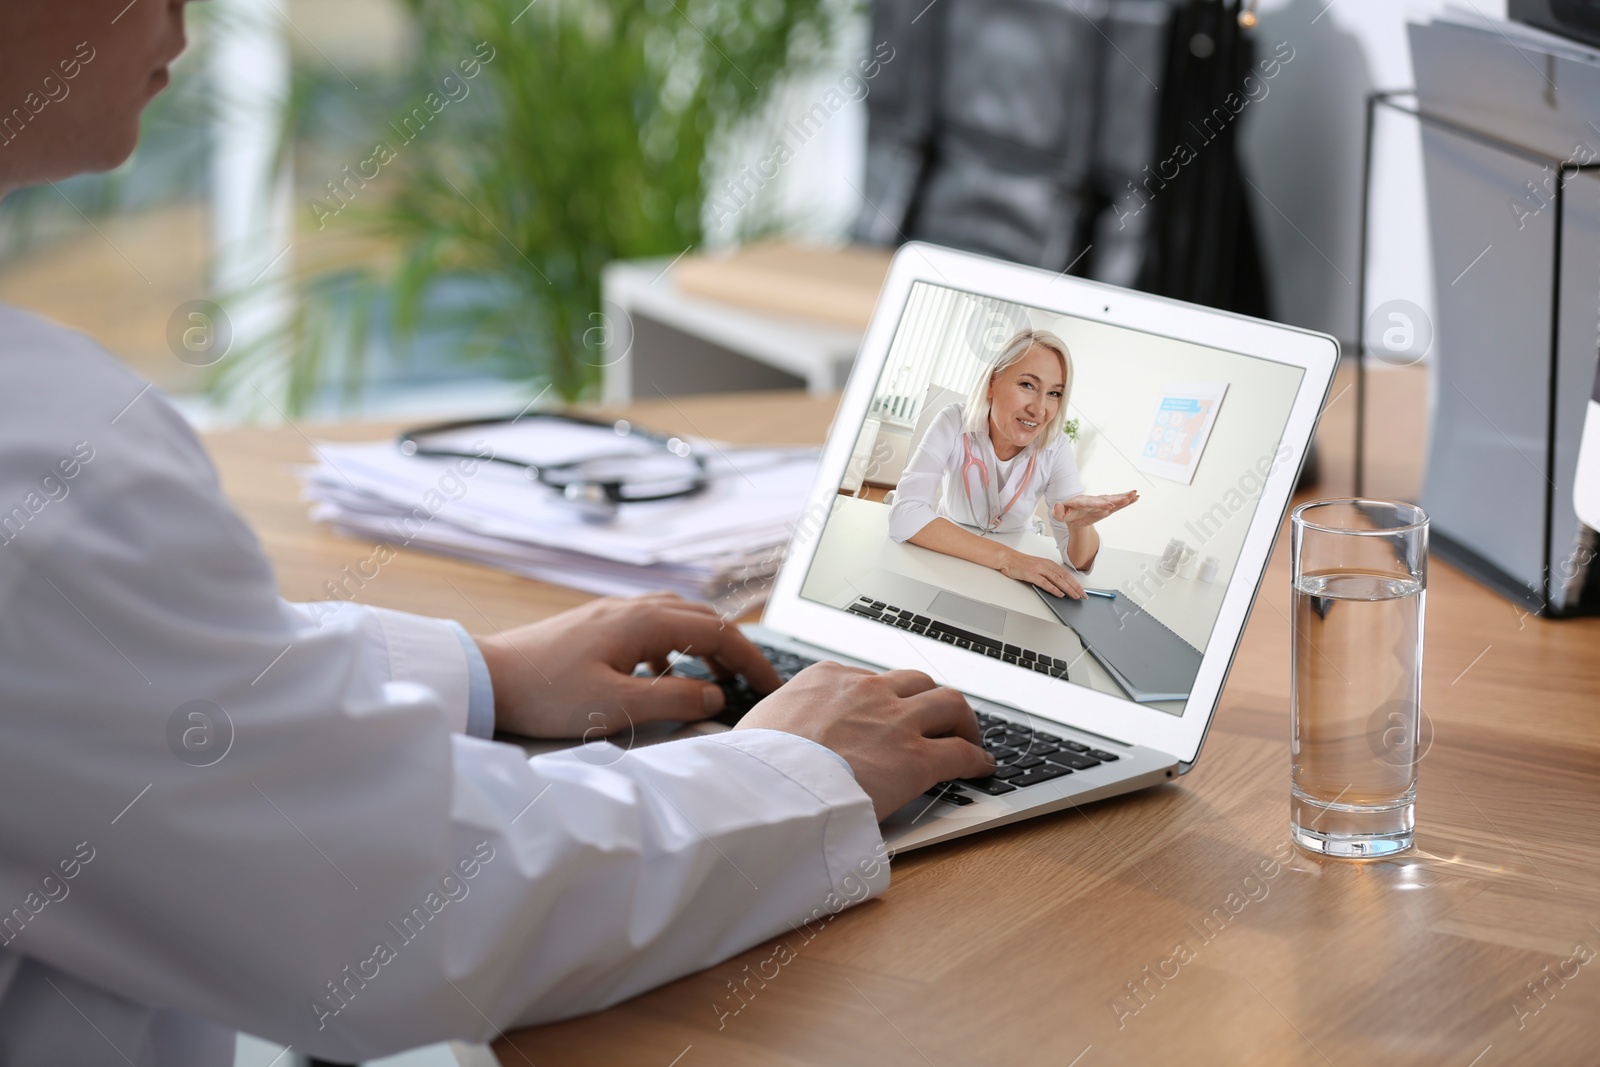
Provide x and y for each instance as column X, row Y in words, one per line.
column 972, row 461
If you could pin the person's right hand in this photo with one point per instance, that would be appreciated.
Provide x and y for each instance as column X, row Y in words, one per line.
column 899, row 731
column 1047, row 574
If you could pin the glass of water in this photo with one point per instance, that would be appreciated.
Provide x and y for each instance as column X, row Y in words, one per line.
column 1360, row 571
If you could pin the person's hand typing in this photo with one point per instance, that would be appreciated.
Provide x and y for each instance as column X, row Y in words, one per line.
column 571, row 675
column 899, row 731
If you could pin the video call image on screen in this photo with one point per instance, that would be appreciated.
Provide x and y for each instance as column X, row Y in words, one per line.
column 942, row 500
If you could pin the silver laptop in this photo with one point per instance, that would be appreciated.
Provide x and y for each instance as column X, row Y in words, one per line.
column 1207, row 414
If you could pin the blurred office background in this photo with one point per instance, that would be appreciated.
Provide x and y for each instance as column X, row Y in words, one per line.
column 250, row 192
column 247, row 190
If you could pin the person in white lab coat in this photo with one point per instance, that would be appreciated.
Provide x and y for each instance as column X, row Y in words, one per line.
column 983, row 464
column 220, row 810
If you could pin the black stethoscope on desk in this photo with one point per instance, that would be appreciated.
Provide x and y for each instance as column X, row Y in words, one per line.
column 655, row 467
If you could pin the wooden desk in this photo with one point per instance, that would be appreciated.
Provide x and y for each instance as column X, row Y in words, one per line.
column 1017, row 946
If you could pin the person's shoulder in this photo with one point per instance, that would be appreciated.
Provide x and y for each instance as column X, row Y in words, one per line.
column 65, row 392
column 952, row 417
column 55, row 372
column 943, row 431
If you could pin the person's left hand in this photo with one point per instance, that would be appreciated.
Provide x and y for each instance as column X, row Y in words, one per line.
column 1084, row 510
column 571, row 675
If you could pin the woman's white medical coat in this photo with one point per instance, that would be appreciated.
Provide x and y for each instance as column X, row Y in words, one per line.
column 932, row 484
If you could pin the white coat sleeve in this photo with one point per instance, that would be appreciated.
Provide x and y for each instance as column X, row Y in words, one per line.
column 916, row 495
column 1062, row 482
column 351, row 874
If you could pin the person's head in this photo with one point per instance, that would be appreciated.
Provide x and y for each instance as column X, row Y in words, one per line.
column 1022, row 401
column 74, row 77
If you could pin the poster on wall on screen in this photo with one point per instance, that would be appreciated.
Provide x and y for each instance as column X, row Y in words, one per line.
column 1179, row 430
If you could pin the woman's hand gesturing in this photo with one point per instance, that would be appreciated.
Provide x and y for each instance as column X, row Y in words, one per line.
column 1083, row 510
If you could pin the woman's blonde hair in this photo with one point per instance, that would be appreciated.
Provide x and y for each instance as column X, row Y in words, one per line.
column 1021, row 343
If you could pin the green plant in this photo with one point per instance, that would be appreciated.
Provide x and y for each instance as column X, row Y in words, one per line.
column 582, row 139
column 1070, row 428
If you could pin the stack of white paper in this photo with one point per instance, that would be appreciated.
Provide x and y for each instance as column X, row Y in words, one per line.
column 722, row 545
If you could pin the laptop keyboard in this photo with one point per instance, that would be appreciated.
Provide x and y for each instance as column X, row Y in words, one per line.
column 740, row 698
column 1024, row 756
column 902, row 619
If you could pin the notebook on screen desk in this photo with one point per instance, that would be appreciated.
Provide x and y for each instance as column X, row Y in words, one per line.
column 1149, row 661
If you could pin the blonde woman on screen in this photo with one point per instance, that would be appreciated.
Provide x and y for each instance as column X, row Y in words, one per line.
column 984, row 462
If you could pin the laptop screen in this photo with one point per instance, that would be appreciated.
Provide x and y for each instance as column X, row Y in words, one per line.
column 1011, row 454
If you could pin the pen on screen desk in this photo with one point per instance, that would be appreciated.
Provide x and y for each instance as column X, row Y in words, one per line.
column 1107, row 593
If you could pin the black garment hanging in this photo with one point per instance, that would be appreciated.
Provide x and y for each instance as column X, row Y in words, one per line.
column 1204, row 242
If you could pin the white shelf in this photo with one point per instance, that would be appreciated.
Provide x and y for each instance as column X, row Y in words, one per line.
column 819, row 354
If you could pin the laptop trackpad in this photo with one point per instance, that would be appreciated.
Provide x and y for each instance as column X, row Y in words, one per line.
column 968, row 612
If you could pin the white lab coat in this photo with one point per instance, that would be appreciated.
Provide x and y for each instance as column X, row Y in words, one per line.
column 931, row 486
column 355, row 875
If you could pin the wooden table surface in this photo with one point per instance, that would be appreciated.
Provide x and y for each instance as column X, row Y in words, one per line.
column 1173, row 925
